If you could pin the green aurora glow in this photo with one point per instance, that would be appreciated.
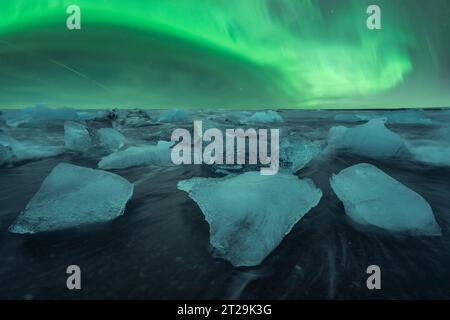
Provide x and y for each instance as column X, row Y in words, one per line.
column 225, row 53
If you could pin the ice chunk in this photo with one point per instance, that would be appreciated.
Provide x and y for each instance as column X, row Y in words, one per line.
column 226, row 168
column 390, row 117
column 250, row 214
column 444, row 135
column 77, row 137
column 407, row 117
column 371, row 140
column 174, row 115
column 13, row 151
column 91, row 115
column 268, row 116
column 350, row 117
column 133, row 118
column 159, row 155
column 111, row 139
column 71, row 196
column 373, row 198
column 6, row 154
column 41, row 113
column 295, row 154
column 433, row 154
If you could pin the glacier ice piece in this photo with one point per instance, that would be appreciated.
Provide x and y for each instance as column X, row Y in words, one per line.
column 371, row 139
column 267, row 116
column 111, row 139
column 13, row 151
column 159, row 155
column 42, row 113
column 134, row 118
column 249, row 214
column 174, row 115
column 373, row 198
column 296, row 153
column 433, row 154
column 72, row 196
column 6, row 154
column 408, row 117
column 77, row 137
column 350, row 117
column 227, row 168
column 390, row 117
column 91, row 115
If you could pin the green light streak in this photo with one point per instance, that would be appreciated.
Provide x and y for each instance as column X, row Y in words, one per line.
column 189, row 53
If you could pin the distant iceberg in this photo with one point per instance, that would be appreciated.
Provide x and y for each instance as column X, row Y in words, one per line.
column 268, row 116
column 250, row 214
column 134, row 118
column 371, row 140
column 350, row 117
column 408, row 117
column 159, row 155
column 373, row 198
column 390, row 117
column 40, row 113
column 72, row 196
column 174, row 116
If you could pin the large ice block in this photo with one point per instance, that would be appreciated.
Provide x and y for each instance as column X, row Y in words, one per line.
column 373, row 198
column 371, row 140
column 71, row 196
column 250, row 214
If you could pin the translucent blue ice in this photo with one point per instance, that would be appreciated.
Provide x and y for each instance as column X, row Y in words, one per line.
column 296, row 153
column 72, row 196
column 13, row 151
column 268, row 116
column 41, row 113
column 371, row 140
column 250, row 214
column 77, row 137
column 159, row 155
column 174, row 115
column 373, row 198
column 111, row 139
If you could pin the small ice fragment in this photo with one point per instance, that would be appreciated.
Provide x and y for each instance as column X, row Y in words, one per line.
column 111, row 139
column 295, row 154
column 77, row 137
column 159, row 155
column 173, row 116
column 268, row 116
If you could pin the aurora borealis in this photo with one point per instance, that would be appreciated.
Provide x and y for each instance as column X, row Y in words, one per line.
column 225, row 53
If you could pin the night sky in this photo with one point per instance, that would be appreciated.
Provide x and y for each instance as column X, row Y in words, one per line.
column 225, row 53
